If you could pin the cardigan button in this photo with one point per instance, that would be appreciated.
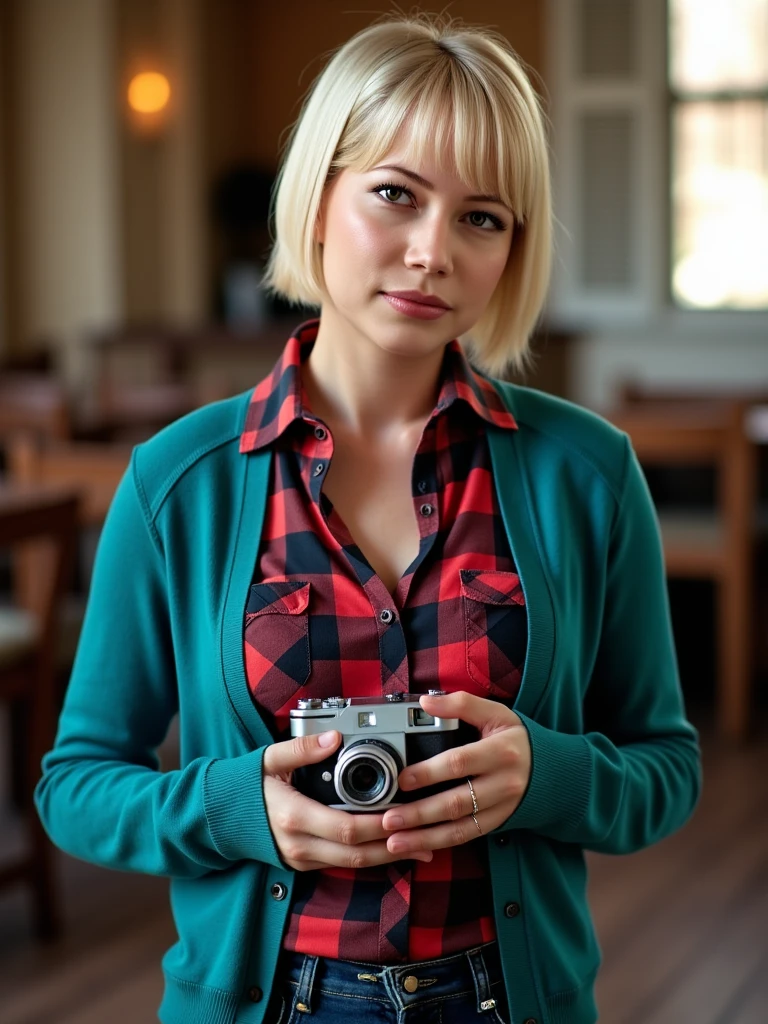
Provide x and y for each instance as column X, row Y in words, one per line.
column 278, row 891
column 255, row 994
column 530, row 1020
column 512, row 910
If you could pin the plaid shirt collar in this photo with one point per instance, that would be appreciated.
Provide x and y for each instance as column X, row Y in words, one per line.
column 279, row 400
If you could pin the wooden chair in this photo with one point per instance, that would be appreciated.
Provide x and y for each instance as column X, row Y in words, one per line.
column 717, row 545
column 140, row 383
column 93, row 471
column 34, row 403
column 46, row 519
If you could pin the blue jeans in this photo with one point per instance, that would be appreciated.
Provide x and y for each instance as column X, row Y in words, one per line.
column 454, row 990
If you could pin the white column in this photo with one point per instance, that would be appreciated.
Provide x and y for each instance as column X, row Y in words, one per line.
column 67, row 174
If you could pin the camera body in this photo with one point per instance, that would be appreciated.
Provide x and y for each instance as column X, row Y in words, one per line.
column 380, row 736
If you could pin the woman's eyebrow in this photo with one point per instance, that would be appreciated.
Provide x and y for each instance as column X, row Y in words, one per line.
column 428, row 184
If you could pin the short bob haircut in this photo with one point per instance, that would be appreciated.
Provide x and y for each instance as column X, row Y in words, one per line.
column 463, row 93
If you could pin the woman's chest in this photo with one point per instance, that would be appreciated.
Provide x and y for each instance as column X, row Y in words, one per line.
column 321, row 620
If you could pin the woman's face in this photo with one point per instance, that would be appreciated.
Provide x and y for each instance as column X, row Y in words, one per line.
column 403, row 228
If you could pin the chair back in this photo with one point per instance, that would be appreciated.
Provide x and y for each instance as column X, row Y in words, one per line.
column 34, row 403
column 91, row 470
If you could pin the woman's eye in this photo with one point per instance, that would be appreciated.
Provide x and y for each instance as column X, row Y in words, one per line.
column 392, row 193
column 477, row 219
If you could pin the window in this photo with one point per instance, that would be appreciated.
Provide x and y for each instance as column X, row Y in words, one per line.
column 660, row 144
column 718, row 80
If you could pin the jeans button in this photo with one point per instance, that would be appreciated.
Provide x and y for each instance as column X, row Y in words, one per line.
column 410, row 983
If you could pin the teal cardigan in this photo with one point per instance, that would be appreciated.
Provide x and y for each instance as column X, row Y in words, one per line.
column 615, row 763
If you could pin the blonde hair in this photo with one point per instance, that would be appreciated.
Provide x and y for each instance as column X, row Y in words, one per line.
column 465, row 97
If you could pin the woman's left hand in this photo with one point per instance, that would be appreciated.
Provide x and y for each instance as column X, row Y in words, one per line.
column 499, row 765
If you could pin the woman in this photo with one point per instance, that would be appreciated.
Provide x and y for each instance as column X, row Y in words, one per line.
column 381, row 517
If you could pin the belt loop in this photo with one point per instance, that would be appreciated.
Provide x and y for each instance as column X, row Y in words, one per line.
column 485, row 1000
column 306, row 981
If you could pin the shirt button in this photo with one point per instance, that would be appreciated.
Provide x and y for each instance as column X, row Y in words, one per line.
column 319, row 468
column 387, row 616
column 278, row 891
column 512, row 910
column 422, row 486
column 426, row 509
column 321, row 433
column 255, row 994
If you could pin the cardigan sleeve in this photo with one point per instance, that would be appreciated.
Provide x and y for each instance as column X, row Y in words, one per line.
column 102, row 796
column 633, row 775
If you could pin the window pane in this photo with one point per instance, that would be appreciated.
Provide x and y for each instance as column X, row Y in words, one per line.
column 718, row 44
column 720, row 205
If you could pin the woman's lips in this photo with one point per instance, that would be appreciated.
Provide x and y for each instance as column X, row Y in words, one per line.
column 415, row 309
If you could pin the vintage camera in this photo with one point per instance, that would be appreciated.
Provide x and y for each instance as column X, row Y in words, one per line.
column 379, row 737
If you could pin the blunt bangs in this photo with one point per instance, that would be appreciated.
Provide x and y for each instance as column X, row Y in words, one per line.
column 458, row 95
column 443, row 112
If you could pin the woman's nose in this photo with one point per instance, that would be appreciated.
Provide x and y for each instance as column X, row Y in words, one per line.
column 429, row 247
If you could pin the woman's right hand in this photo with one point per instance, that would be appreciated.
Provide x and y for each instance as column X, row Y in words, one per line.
column 308, row 834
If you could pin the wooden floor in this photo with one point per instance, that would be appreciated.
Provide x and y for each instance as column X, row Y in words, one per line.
column 683, row 925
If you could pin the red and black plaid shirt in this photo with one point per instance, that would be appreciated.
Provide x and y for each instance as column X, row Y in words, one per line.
column 314, row 628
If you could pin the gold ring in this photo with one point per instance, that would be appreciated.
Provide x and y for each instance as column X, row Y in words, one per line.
column 474, row 806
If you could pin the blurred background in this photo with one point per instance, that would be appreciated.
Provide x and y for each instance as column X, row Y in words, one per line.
column 139, row 140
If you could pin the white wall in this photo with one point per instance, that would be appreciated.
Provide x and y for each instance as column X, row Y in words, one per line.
column 685, row 357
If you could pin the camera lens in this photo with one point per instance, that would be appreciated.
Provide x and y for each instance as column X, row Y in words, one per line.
column 364, row 780
column 366, row 774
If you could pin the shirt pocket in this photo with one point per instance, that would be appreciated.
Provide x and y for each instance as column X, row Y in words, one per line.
column 277, row 654
column 496, row 624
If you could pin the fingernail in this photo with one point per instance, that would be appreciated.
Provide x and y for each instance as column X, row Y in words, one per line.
column 398, row 846
column 395, row 821
column 426, row 856
column 327, row 739
column 406, row 779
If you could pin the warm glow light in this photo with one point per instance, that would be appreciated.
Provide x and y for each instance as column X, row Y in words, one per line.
column 149, row 92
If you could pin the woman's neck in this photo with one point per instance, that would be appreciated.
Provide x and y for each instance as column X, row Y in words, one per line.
column 366, row 392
